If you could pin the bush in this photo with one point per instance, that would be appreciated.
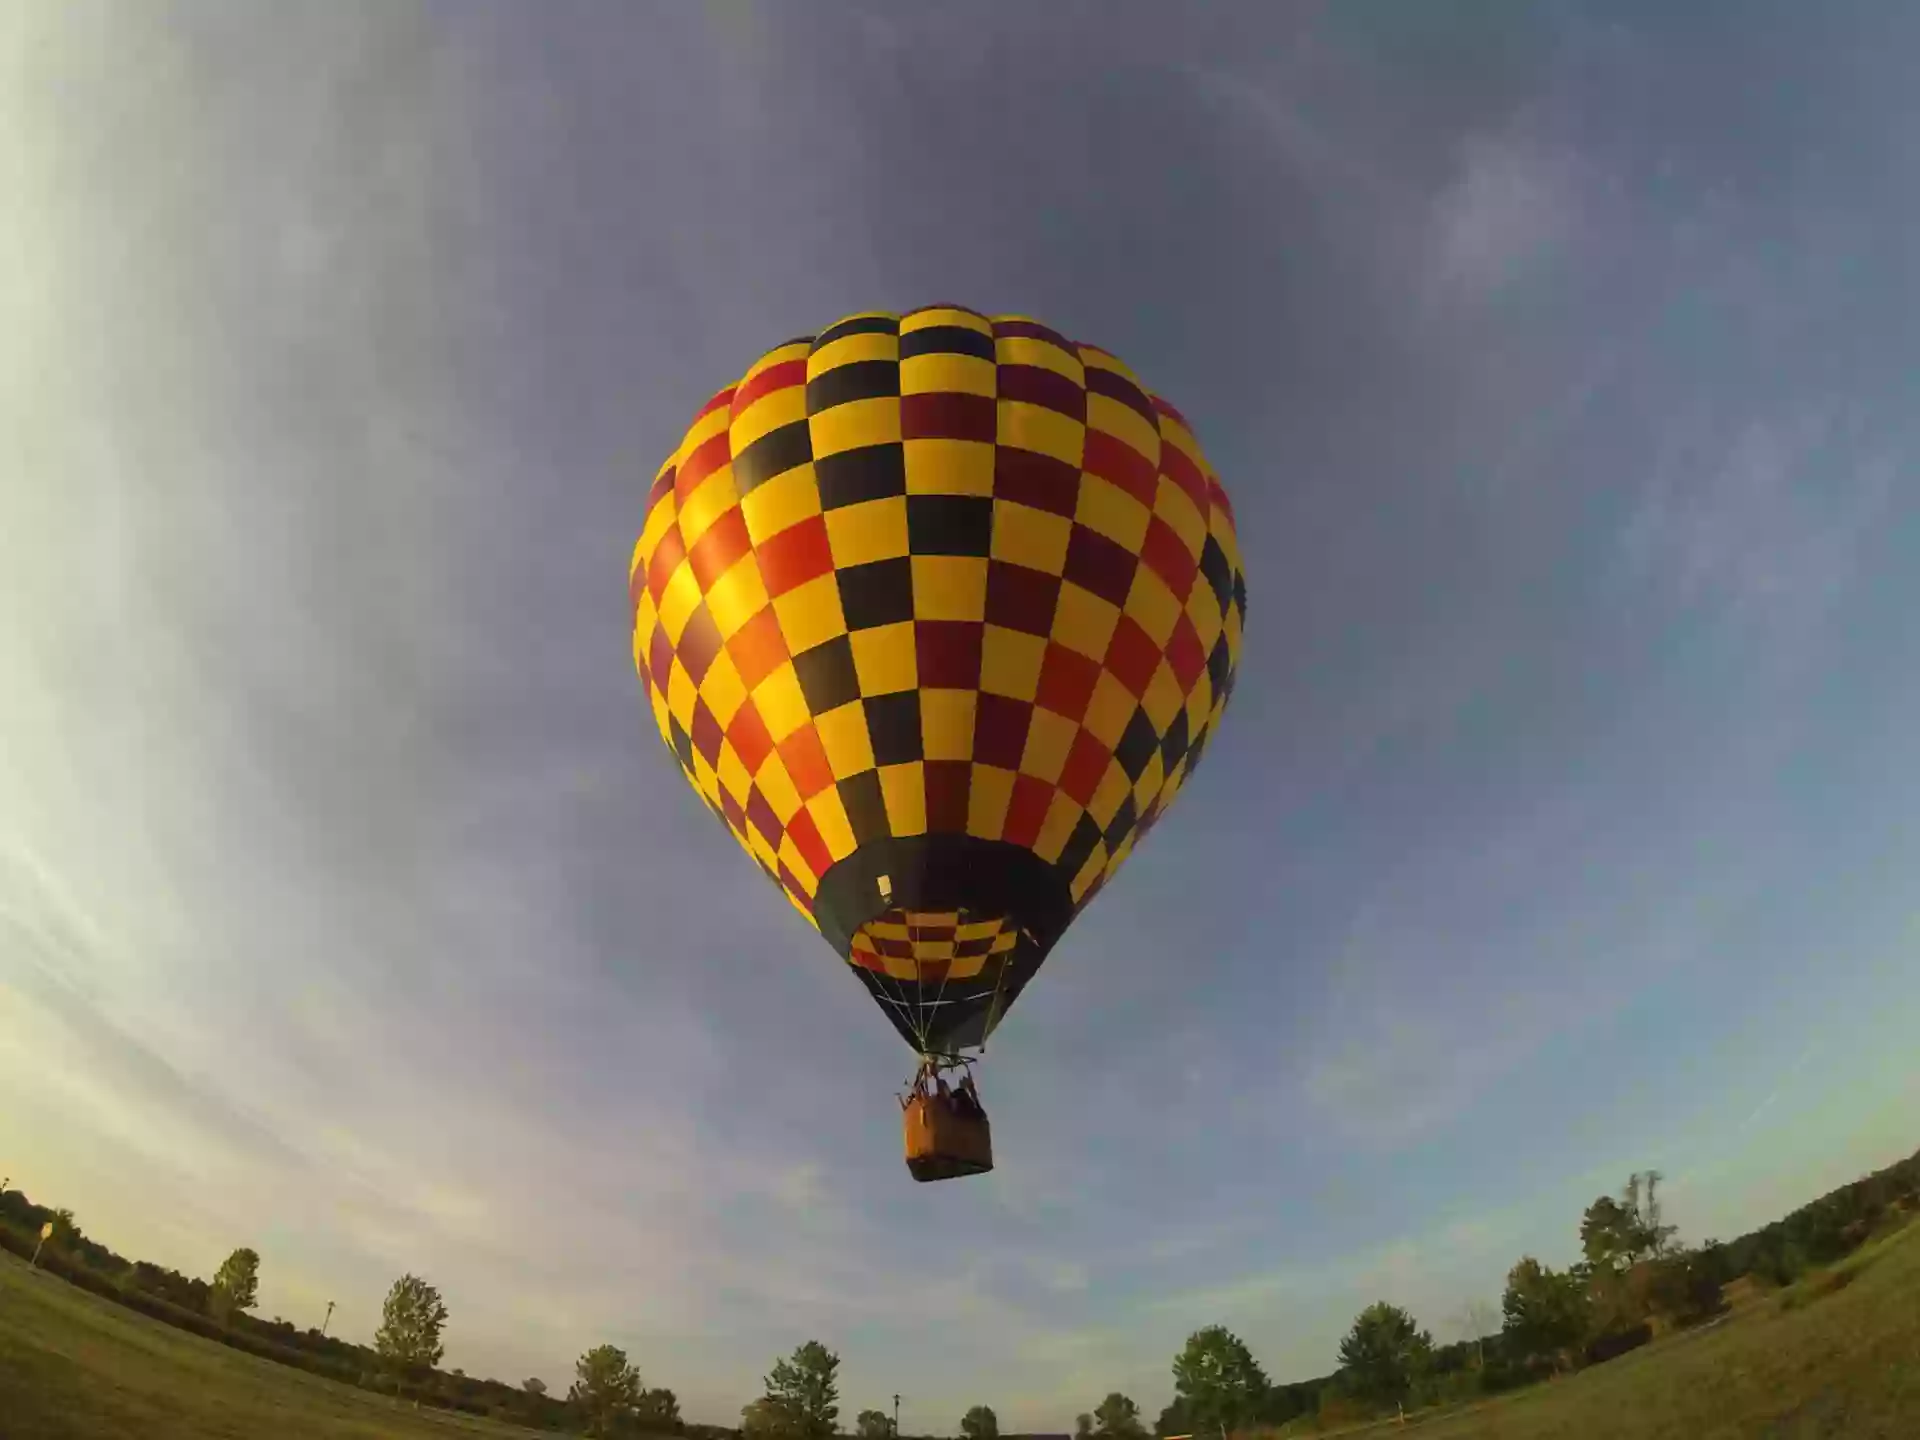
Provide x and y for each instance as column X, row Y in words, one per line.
column 1619, row 1342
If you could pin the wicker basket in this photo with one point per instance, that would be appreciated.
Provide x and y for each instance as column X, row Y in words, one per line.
column 943, row 1145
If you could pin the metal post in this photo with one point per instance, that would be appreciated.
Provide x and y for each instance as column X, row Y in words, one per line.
column 329, row 1318
column 896, row 1417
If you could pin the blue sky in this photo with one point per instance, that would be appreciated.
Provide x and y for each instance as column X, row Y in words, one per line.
column 1560, row 360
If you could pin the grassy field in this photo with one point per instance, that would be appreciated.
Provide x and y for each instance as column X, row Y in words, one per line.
column 76, row 1367
column 1838, row 1355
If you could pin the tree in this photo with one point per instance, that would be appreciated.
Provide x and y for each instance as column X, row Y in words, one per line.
column 534, row 1386
column 1118, row 1417
column 980, row 1423
column 236, row 1285
column 659, row 1412
column 1218, row 1380
column 606, row 1389
column 1385, row 1353
column 1083, row 1427
column 66, row 1230
column 1473, row 1323
column 1618, row 1234
column 770, row 1419
column 806, row 1388
column 408, row 1339
column 872, row 1425
column 1545, row 1311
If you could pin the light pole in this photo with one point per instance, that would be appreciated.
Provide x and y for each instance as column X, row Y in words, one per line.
column 329, row 1317
column 896, row 1417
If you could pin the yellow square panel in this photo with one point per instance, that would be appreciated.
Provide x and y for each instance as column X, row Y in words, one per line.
column 736, row 597
column 1204, row 611
column 796, row 863
column 884, row 660
column 946, row 374
column 1100, row 360
column 677, row 602
column 1057, row 828
column 780, row 355
column 1084, row 622
column 946, row 724
column 810, row 614
column 863, row 345
column 723, row 689
column 1109, row 415
column 1108, row 795
column 1149, row 783
column 1183, row 517
column 701, row 431
column 1199, row 705
column 758, row 847
column 777, row 786
column 1119, row 856
column 1027, row 426
column 657, row 699
column 1022, row 350
column 941, row 315
column 784, row 406
column 1110, row 709
column 1152, row 605
column 849, row 745
column 781, row 502
column 967, row 967
column 1222, row 530
column 1164, row 698
column 949, row 467
column 681, row 696
column 711, row 499
column 950, row 587
column 830, row 819
column 1106, row 508
column 732, row 771
column 853, row 425
column 1173, row 433
column 989, row 793
column 1025, row 536
column 904, row 788
column 1049, row 738
column 1091, row 871
column 1010, row 662
column 780, row 703
column 872, row 530
column 705, row 779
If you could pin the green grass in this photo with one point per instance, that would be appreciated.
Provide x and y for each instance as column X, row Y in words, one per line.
column 1837, row 1354
column 76, row 1365
column 1840, row 1358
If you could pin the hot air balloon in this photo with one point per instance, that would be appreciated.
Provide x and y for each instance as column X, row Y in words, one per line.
column 938, row 612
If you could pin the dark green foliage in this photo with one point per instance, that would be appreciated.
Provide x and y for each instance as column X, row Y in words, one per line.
column 1118, row 1418
column 1385, row 1354
column 980, row 1423
column 1217, row 1380
column 606, row 1391
column 804, row 1390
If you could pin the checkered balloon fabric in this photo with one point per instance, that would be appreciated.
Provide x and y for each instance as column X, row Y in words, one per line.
column 938, row 612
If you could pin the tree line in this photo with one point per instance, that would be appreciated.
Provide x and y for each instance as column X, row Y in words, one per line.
column 606, row 1397
column 1633, row 1280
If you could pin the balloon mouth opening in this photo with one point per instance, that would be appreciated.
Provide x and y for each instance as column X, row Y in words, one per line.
column 934, row 947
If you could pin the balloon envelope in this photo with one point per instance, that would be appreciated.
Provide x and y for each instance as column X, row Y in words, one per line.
column 937, row 613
